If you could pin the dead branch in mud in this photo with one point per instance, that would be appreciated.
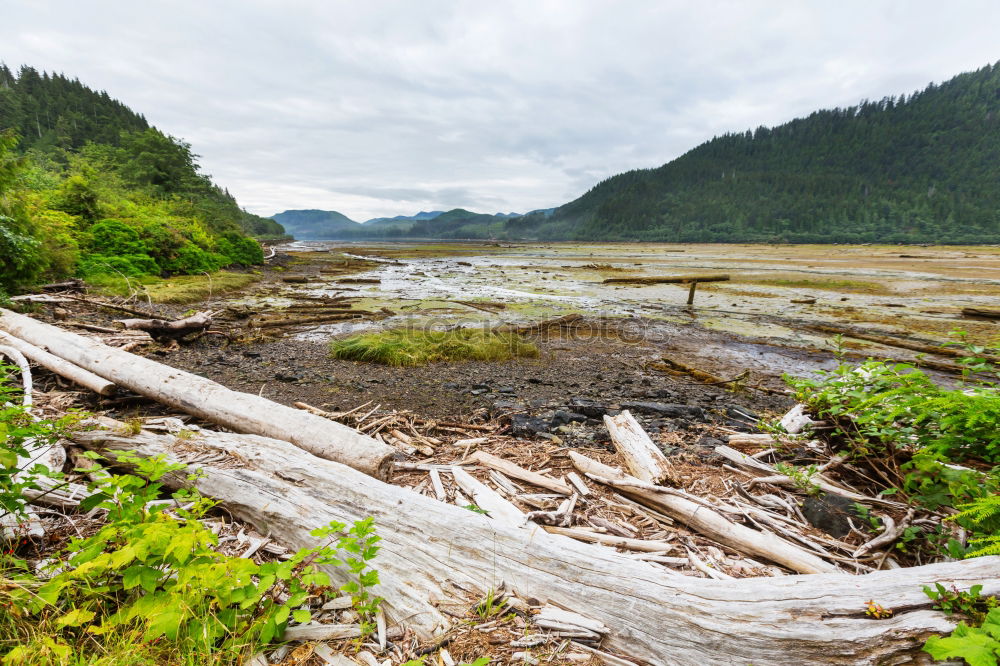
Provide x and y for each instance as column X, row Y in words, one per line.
column 163, row 330
column 894, row 341
column 981, row 313
column 685, row 279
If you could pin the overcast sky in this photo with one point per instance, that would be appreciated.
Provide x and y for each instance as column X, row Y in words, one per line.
column 383, row 108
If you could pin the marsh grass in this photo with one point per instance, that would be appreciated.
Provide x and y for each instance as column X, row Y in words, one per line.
column 831, row 284
column 177, row 289
column 409, row 347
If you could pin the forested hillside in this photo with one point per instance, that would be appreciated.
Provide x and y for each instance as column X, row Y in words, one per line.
column 918, row 168
column 88, row 187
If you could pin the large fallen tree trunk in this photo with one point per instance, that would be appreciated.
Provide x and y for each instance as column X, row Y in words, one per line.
column 431, row 550
column 206, row 399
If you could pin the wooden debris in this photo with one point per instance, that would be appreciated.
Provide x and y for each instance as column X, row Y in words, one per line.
column 426, row 542
column 642, row 458
column 60, row 366
column 684, row 279
column 510, row 469
column 162, row 329
column 981, row 313
column 704, row 519
column 204, row 398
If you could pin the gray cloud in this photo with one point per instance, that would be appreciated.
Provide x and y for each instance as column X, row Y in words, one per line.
column 388, row 108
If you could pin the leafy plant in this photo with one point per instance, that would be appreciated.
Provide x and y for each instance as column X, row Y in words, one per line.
column 801, row 477
column 19, row 430
column 914, row 431
column 979, row 646
column 969, row 603
column 150, row 575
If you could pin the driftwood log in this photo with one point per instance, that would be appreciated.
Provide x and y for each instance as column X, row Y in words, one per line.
column 682, row 279
column 432, row 552
column 165, row 329
column 204, row 398
column 982, row 313
column 59, row 366
column 642, row 458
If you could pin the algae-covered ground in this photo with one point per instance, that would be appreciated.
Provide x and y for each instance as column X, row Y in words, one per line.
column 748, row 323
column 896, row 289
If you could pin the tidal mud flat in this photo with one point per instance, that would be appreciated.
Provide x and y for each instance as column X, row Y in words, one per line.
column 775, row 315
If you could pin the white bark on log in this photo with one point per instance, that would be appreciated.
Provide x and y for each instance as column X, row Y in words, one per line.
column 165, row 329
column 486, row 499
column 429, row 548
column 61, row 367
column 517, row 472
column 641, row 457
column 706, row 521
column 204, row 398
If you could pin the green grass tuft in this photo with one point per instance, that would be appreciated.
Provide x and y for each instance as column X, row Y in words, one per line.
column 176, row 289
column 408, row 347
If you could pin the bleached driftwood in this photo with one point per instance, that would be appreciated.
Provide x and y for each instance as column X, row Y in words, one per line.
column 165, row 329
column 642, row 458
column 486, row 499
column 206, row 399
column 430, row 550
column 772, row 475
column 705, row 520
column 59, row 366
column 510, row 469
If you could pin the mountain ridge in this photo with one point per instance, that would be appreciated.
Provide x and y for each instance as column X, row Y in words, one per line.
column 917, row 168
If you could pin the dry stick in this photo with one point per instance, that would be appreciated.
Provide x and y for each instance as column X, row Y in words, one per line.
column 25, row 368
column 642, row 458
column 638, row 279
column 775, row 477
column 705, row 520
column 488, row 500
column 510, row 469
column 640, row 545
column 59, row 366
column 890, row 532
column 110, row 306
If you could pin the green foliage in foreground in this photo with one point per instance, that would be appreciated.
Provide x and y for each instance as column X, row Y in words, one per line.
column 893, row 412
column 148, row 587
column 409, row 347
column 978, row 641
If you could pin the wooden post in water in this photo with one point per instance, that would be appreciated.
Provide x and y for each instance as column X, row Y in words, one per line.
column 694, row 285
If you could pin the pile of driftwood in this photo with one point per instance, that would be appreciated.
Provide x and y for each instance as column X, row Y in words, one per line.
column 471, row 522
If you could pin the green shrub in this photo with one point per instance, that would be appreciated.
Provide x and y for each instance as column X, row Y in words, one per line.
column 21, row 258
column 408, row 347
column 927, row 433
column 114, row 237
column 240, row 250
column 192, row 259
column 130, row 265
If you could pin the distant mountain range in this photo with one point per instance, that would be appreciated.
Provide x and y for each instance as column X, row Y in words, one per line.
column 331, row 225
